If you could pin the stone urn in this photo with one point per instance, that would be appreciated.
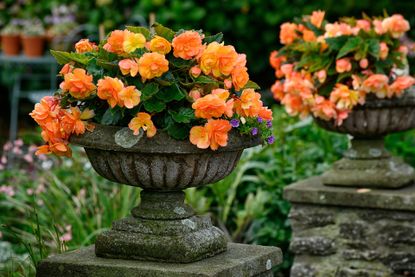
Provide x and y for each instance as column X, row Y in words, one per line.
column 367, row 163
column 162, row 228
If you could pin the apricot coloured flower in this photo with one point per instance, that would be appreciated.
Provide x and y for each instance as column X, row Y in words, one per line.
column 152, row 65
column 109, row 89
column 78, row 83
column 142, row 121
column 213, row 134
column 187, row 45
column 160, row 45
column 84, row 45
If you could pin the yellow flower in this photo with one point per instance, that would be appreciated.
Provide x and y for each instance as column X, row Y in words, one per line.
column 133, row 41
column 160, row 45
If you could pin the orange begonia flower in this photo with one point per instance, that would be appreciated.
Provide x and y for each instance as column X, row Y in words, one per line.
column 84, row 45
column 109, row 89
column 376, row 83
column 218, row 59
column 400, row 84
column 78, row 83
column 396, row 25
column 345, row 98
column 288, row 33
column 66, row 69
column 317, row 18
column 213, row 105
column 324, row 108
column 128, row 66
column 187, row 45
column 213, row 134
column 124, row 41
column 160, row 45
column 152, row 65
column 142, row 121
column 129, row 97
column 249, row 104
column 265, row 113
column 46, row 110
column 240, row 77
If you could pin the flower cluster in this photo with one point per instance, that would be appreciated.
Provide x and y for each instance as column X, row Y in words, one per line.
column 187, row 84
column 326, row 69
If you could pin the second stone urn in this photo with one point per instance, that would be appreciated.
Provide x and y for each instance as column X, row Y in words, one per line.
column 367, row 163
column 162, row 227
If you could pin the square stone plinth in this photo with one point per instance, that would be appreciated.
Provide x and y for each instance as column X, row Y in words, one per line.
column 240, row 260
column 345, row 232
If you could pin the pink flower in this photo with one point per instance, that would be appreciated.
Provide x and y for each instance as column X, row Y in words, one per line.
column 343, row 65
column 18, row 142
column 29, row 191
column 321, row 75
column 7, row 146
column 28, row 158
column 8, row 190
column 376, row 83
column 401, row 83
column 363, row 63
column 3, row 160
column 396, row 25
column 384, row 50
column 363, row 24
column 378, row 27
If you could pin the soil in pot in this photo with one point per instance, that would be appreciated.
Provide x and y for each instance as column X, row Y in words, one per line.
column 10, row 45
column 33, row 46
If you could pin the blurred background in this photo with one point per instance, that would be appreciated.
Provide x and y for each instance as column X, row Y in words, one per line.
column 50, row 205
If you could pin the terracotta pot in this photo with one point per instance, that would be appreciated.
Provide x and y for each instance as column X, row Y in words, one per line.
column 33, row 46
column 367, row 163
column 162, row 227
column 10, row 45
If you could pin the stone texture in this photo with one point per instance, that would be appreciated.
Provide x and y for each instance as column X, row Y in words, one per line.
column 312, row 191
column 367, row 163
column 239, row 261
column 371, row 232
column 162, row 228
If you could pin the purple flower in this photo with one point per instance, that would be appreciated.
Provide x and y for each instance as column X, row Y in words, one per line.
column 254, row 131
column 260, row 120
column 271, row 140
column 269, row 123
column 234, row 123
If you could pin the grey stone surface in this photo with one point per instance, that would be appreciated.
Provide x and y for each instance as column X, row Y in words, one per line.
column 312, row 191
column 369, row 233
column 367, row 163
column 239, row 261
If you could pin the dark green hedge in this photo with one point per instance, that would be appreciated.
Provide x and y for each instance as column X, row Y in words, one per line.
column 251, row 25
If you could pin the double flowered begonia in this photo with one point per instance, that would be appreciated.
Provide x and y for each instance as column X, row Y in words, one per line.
column 343, row 65
column 109, row 89
column 249, row 104
column 128, row 66
column 160, row 45
column 187, row 45
column 400, row 84
column 78, row 83
column 376, row 83
column 84, row 45
column 396, row 25
column 288, row 33
column 152, row 65
column 214, row 105
column 124, row 42
column 345, row 98
column 218, row 59
column 213, row 134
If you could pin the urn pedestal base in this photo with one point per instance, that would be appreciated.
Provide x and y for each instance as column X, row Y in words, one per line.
column 239, row 260
column 344, row 231
column 162, row 228
column 368, row 164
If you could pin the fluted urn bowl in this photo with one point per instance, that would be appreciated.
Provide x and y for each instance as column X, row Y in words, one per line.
column 366, row 163
column 162, row 227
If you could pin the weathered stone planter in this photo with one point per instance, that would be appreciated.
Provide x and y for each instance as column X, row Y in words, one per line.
column 367, row 163
column 162, row 227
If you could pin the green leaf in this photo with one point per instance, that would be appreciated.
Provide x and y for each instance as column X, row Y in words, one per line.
column 111, row 116
column 154, row 105
column 218, row 38
column 140, row 30
column 180, row 63
column 164, row 31
column 374, row 48
column 171, row 93
column 336, row 43
column 107, row 65
column 205, row 80
column 66, row 57
column 149, row 91
column 179, row 131
column 352, row 44
column 251, row 84
column 183, row 115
